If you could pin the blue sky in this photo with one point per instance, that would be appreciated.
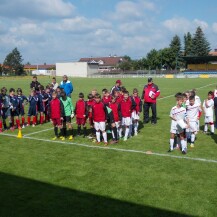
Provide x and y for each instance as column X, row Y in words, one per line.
column 65, row 30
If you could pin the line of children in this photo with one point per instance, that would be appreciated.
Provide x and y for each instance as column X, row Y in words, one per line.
column 185, row 119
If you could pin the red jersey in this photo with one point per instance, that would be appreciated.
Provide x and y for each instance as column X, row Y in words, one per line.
column 150, row 89
column 119, row 98
column 127, row 107
column 106, row 100
column 81, row 109
column 138, row 102
column 56, row 109
column 99, row 112
column 90, row 104
column 115, row 107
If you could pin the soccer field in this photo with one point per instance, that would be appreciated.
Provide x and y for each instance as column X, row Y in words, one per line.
column 41, row 177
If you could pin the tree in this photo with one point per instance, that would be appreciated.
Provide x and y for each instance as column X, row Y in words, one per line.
column 200, row 45
column 153, row 61
column 187, row 44
column 175, row 48
column 13, row 63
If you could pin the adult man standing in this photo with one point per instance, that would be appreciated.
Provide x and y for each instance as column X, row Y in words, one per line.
column 66, row 85
column 54, row 83
column 149, row 95
column 34, row 85
column 116, row 87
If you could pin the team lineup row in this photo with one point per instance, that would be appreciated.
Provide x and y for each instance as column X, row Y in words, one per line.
column 185, row 119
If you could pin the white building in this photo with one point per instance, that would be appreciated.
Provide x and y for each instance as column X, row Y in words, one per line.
column 76, row 69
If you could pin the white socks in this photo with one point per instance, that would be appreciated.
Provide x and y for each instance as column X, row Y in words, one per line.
column 171, row 144
column 192, row 138
column 184, row 145
column 104, row 136
column 98, row 136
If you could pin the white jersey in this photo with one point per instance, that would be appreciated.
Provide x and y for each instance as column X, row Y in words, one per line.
column 178, row 114
column 197, row 100
column 187, row 102
column 215, row 93
column 193, row 111
column 208, row 109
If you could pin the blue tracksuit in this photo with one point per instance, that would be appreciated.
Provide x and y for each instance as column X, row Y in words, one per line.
column 67, row 86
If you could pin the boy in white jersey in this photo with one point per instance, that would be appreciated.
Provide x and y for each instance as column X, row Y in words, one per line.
column 208, row 106
column 215, row 105
column 193, row 111
column 178, row 114
column 198, row 101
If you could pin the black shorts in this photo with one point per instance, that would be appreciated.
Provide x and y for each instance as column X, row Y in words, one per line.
column 6, row 112
column 15, row 113
column 32, row 111
column 21, row 112
column 67, row 119
column 41, row 108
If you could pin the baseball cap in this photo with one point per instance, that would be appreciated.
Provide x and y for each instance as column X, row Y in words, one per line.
column 150, row 79
column 118, row 82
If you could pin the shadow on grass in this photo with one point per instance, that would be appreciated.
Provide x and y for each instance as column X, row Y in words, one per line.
column 25, row 197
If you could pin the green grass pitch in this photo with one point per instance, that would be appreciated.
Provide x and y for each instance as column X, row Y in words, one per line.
column 39, row 177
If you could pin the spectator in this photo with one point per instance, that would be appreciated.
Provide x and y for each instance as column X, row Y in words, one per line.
column 117, row 87
column 34, row 85
column 149, row 95
column 54, row 83
column 66, row 85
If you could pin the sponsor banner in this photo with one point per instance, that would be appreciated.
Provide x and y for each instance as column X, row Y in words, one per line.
column 204, row 76
column 169, row 76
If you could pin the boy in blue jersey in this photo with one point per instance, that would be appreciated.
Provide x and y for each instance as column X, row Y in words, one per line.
column 21, row 103
column 33, row 101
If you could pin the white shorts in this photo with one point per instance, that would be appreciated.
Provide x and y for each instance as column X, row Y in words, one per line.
column 135, row 115
column 176, row 129
column 99, row 126
column 126, row 121
column 208, row 119
column 117, row 124
column 193, row 126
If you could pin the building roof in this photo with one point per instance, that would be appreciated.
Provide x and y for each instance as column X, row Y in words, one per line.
column 44, row 66
column 213, row 53
column 105, row 61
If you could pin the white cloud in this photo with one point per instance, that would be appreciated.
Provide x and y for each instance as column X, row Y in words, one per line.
column 27, row 29
column 214, row 27
column 128, row 10
column 204, row 25
column 37, row 9
column 177, row 25
column 78, row 25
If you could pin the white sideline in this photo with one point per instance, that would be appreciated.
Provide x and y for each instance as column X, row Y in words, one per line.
column 37, row 132
column 40, row 131
column 117, row 149
column 196, row 88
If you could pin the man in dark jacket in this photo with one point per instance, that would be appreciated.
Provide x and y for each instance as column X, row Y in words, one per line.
column 34, row 85
column 149, row 95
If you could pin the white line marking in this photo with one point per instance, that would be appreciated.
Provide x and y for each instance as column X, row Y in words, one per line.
column 117, row 149
column 40, row 131
column 196, row 88
column 37, row 132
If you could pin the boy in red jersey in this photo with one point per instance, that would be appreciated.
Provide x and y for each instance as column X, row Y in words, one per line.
column 99, row 117
column 90, row 104
column 56, row 112
column 136, row 111
column 127, row 106
column 115, row 118
column 118, row 96
column 106, row 98
column 81, row 113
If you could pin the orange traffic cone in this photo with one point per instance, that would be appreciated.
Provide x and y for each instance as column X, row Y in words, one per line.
column 19, row 135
